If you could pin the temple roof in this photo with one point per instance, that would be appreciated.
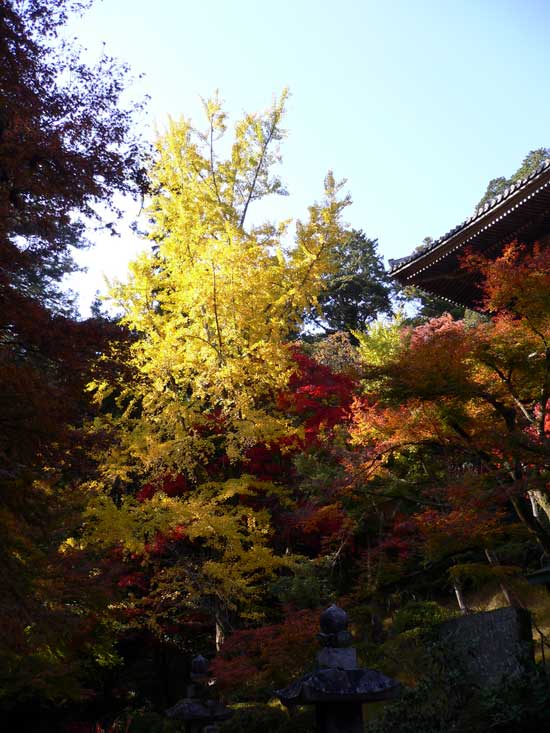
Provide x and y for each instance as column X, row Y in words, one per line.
column 521, row 212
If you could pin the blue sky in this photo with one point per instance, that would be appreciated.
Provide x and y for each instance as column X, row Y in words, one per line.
column 418, row 104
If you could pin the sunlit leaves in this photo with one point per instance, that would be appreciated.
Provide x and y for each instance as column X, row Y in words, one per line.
column 212, row 306
column 455, row 407
column 215, row 302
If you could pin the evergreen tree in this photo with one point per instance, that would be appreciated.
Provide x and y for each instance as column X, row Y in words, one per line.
column 530, row 163
column 358, row 290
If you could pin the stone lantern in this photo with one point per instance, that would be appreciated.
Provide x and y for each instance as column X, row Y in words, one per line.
column 338, row 687
column 198, row 710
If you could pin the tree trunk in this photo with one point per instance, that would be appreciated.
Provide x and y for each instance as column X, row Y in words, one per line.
column 539, row 500
column 220, row 633
column 221, row 623
column 460, row 598
column 493, row 561
column 532, row 524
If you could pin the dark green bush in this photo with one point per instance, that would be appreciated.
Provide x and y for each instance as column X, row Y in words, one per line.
column 420, row 614
column 269, row 719
column 447, row 704
column 517, row 706
column 152, row 722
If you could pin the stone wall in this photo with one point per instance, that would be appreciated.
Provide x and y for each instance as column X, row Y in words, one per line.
column 492, row 645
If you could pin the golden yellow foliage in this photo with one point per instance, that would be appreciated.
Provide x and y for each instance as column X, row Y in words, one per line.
column 213, row 306
column 215, row 301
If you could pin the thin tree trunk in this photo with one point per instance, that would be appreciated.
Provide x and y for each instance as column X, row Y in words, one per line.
column 220, row 634
column 493, row 561
column 539, row 500
column 532, row 524
column 220, row 624
column 460, row 598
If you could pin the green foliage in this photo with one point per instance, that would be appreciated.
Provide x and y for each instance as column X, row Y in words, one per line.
column 337, row 352
column 516, row 706
column 479, row 574
column 358, row 289
column 148, row 721
column 530, row 163
column 428, row 708
column 430, row 306
column 301, row 590
column 419, row 614
column 314, row 473
column 272, row 718
column 409, row 650
column 444, row 702
column 382, row 341
column 434, row 698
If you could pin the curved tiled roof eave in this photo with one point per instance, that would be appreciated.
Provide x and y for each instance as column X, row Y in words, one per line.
column 489, row 208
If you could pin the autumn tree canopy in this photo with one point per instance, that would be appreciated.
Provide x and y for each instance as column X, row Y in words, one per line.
column 464, row 438
column 65, row 149
column 212, row 306
column 197, row 469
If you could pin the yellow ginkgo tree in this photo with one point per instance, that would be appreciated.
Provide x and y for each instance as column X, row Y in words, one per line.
column 212, row 307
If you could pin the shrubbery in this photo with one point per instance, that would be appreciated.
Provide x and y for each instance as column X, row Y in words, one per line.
column 445, row 702
column 269, row 719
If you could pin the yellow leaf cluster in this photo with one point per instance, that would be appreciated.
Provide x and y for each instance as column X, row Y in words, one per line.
column 216, row 300
column 212, row 307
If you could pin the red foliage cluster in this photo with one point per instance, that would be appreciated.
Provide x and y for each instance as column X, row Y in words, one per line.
column 319, row 399
column 170, row 485
column 316, row 527
column 317, row 395
column 164, row 543
column 517, row 282
column 534, row 430
column 401, row 539
column 253, row 662
column 133, row 580
column 269, row 463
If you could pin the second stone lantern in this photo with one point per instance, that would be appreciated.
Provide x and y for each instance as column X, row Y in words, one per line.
column 338, row 687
